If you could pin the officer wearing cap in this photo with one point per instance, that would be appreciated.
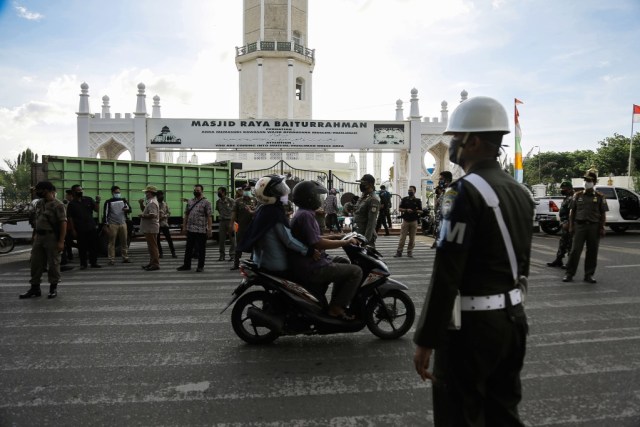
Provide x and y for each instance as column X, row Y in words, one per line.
column 477, row 366
column 564, row 245
column 587, row 218
column 48, row 242
column 367, row 209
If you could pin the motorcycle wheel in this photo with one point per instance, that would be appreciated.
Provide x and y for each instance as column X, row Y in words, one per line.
column 243, row 325
column 551, row 228
column 390, row 316
column 6, row 244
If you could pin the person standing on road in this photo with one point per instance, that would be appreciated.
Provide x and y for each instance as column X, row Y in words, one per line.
column 150, row 227
column 476, row 374
column 410, row 208
column 197, row 223
column 224, row 206
column 587, row 218
column 564, row 245
column 243, row 210
column 114, row 219
column 83, row 226
column 445, row 180
column 165, row 213
column 48, row 243
column 367, row 209
column 384, row 218
column 331, row 211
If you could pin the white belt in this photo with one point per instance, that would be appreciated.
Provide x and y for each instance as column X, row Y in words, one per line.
column 489, row 302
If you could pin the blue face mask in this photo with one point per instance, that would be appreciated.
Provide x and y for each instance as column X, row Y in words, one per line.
column 247, row 193
column 117, row 195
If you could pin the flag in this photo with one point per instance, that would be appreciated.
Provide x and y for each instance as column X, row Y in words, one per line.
column 517, row 170
column 636, row 113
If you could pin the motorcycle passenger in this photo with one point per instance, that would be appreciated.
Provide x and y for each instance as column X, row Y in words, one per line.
column 317, row 274
column 269, row 235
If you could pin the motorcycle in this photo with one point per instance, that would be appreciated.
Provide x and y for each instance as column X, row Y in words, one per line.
column 284, row 307
column 6, row 241
column 428, row 221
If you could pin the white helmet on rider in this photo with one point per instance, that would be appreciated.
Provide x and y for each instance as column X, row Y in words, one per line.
column 478, row 114
column 269, row 189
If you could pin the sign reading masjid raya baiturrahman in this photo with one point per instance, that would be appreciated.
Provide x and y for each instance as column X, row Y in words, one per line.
column 284, row 134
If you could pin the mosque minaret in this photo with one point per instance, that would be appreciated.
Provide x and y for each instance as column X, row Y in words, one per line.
column 275, row 72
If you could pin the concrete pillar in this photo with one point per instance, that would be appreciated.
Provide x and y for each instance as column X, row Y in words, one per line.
column 155, row 111
column 105, row 107
column 140, row 126
column 84, row 116
column 414, row 172
column 292, row 88
column 260, row 89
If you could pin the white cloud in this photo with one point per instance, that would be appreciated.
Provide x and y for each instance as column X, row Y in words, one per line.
column 23, row 12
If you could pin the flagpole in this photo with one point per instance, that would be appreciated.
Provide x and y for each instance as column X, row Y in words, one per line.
column 629, row 180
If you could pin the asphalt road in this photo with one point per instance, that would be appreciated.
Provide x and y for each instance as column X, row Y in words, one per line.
column 121, row 346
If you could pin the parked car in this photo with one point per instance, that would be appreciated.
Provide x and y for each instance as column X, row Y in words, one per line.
column 623, row 214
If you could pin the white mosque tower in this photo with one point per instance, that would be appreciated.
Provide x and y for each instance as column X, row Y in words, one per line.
column 275, row 69
column 275, row 64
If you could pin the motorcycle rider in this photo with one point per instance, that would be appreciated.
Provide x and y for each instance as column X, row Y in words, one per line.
column 269, row 235
column 316, row 274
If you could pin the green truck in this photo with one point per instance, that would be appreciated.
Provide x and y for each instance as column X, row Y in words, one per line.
column 97, row 176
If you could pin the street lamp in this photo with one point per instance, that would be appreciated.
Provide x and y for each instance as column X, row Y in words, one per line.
column 539, row 166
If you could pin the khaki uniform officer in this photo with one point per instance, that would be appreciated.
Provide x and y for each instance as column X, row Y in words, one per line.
column 367, row 209
column 586, row 221
column 48, row 243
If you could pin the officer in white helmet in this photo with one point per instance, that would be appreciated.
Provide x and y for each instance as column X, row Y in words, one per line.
column 269, row 236
column 483, row 257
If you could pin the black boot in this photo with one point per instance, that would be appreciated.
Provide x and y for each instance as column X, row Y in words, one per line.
column 555, row 263
column 236, row 262
column 34, row 291
column 53, row 291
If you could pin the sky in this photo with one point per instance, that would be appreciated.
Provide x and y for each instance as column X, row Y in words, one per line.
column 574, row 64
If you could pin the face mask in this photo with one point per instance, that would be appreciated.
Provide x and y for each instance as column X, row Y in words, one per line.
column 246, row 193
column 411, row 193
column 284, row 199
column 197, row 193
column 160, row 199
column 78, row 193
column 117, row 195
column 41, row 194
column 455, row 151
column 363, row 187
column 220, row 194
column 588, row 185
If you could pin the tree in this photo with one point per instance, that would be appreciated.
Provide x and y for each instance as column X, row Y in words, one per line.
column 613, row 155
column 17, row 180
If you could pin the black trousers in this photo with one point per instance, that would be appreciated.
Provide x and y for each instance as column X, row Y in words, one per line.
column 478, row 371
column 167, row 236
column 197, row 241
column 384, row 219
column 88, row 243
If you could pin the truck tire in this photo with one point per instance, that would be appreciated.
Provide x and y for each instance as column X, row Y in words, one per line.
column 619, row 229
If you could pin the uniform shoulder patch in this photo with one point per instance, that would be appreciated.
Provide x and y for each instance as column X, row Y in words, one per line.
column 447, row 201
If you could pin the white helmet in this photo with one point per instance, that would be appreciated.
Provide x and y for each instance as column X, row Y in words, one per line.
column 478, row 114
column 270, row 188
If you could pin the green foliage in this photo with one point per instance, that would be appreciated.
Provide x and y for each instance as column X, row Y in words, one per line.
column 612, row 157
column 17, row 179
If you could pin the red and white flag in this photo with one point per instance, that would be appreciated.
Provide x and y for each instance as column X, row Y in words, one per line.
column 636, row 113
